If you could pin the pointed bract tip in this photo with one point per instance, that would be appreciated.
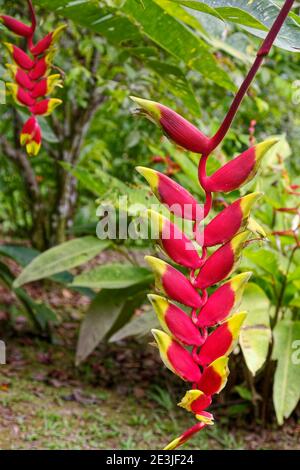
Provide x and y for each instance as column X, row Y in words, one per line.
column 239, row 239
column 151, row 108
column 151, row 176
column 156, row 264
column 58, row 31
column 262, row 148
column 248, row 201
column 205, row 417
column 163, row 339
column 189, row 397
column 239, row 281
column 235, row 322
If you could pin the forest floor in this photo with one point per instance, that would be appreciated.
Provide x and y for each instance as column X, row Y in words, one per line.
column 120, row 398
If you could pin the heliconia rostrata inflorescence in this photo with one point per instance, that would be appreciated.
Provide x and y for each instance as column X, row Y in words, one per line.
column 31, row 80
column 196, row 346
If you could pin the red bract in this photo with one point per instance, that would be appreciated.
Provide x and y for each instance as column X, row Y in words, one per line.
column 175, row 321
column 222, row 262
column 17, row 27
column 174, row 242
column 230, row 221
column 178, row 200
column 30, row 76
column 240, row 170
column 173, row 283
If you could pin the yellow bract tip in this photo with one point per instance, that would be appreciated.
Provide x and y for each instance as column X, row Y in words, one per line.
column 151, row 108
column 238, row 240
column 160, row 305
column 220, row 365
column 248, row 201
column 235, row 322
column 239, row 281
column 262, row 148
column 58, row 31
column 209, row 420
column 173, row 444
column 150, row 175
column 157, row 219
column 189, row 398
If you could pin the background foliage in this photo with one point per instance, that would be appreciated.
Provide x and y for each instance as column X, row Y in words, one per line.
column 191, row 56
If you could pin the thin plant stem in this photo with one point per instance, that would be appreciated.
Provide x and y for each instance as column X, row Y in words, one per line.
column 261, row 54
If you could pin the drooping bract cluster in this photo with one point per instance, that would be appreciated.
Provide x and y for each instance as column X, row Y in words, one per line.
column 196, row 346
column 32, row 83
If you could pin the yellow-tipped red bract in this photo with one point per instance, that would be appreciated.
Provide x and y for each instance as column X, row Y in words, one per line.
column 20, row 77
column 214, row 376
column 21, row 96
column 174, row 242
column 176, row 198
column 178, row 129
column 46, row 86
column 176, row 358
column 222, row 262
column 19, row 56
column 195, row 401
column 220, row 304
column 221, row 341
column 45, row 107
column 184, row 437
column 173, row 283
column 232, row 220
column 31, row 136
column 48, row 41
column 42, row 66
column 175, row 321
column 240, row 170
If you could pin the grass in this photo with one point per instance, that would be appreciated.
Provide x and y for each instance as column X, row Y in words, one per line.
column 37, row 416
column 120, row 398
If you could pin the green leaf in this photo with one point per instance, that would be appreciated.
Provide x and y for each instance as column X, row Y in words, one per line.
column 139, row 326
column 65, row 256
column 256, row 333
column 255, row 17
column 108, row 312
column 135, row 21
column 20, row 254
column 113, row 276
column 170, row 34
column 265, row 259
column 177, row 83
column 24, row 255
column 286, row 390
column 39, row 313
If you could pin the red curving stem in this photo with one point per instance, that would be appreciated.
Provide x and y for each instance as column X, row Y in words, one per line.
column 261, row 54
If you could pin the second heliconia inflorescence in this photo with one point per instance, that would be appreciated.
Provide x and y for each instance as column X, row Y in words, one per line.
column 32, row 82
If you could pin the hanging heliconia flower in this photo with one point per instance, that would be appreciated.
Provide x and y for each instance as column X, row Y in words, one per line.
column 196, row 346
column 32, row 82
